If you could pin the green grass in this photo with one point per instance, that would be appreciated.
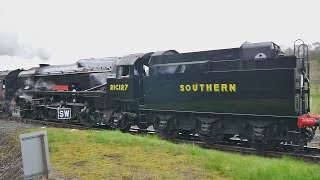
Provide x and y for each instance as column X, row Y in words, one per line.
column 315, row 108
column 111, row 154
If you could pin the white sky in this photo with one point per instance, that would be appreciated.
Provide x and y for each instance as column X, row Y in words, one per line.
column 75, row 29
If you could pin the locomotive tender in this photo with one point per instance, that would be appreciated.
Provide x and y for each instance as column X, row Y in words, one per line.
column 255, row 92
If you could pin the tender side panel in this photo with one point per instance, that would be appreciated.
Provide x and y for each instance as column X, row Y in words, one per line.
column 263, row 92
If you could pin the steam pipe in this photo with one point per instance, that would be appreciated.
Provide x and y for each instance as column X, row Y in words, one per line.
column 308, row 120
column 96, row 87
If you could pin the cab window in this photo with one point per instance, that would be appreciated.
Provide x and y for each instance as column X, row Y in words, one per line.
column 141, row 70
column 3, row 83
column 146, row 69
column 123, row 71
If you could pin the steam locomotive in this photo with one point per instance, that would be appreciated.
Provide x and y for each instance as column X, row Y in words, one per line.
column 255, row 92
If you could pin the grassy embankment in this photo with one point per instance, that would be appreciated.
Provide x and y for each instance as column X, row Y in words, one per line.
column 111, row 154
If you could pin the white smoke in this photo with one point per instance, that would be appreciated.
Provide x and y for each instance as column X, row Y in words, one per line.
column 11, row 45
column 43, row 85
column 98, row 78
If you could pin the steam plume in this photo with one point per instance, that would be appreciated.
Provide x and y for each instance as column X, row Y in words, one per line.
column 11, row 45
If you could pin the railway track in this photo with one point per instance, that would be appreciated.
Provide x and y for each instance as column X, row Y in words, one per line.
column 309, row 154
column 54, row 124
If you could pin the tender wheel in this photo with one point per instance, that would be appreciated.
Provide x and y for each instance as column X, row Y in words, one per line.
column 212, row 139
column 210, row 133
column 124, row 127
column 186, row 134
column 259, row 146
column 118, row 120
column 169, row 134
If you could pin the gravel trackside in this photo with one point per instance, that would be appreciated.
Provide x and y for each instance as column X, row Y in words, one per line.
column 10, row 153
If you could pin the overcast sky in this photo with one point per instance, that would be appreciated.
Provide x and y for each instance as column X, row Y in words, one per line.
column 72, row 29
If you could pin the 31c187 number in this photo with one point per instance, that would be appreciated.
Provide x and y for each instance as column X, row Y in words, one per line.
column 118, row 87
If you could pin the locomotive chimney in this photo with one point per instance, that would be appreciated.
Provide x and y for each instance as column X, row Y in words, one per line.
column 44, row 65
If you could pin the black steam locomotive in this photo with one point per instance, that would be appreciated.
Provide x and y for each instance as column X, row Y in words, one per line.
column 255, row 92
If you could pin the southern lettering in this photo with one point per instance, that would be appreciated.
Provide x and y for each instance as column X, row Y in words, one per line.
column 208, row 87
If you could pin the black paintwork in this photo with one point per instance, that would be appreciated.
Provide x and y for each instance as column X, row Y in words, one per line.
column 264, row 107
column 264, row 92
column 261, row 98
column 11, row 84
column 3, row 75
column 134, row 79
column 264, row 86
